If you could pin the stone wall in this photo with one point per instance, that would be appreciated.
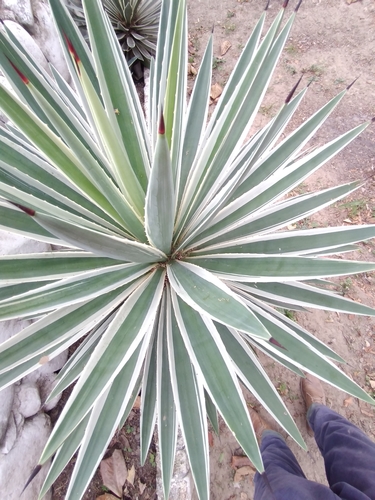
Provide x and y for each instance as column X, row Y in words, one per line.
column 24, row 425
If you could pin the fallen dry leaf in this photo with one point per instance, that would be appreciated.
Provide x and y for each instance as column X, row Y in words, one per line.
column 137, row 403
column 242, row 472
column 348, row 401
column 367, row 413
column 114, row 472
column 225, row 46
column 241, row 461
column 191, row 70
column 107, row 496
column 372, row 384
column 131, row 474
column 141, row 487
column 216, row 91
column 210, row 439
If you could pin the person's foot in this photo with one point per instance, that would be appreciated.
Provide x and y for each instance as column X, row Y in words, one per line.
column 312, row 392
column 259, row 424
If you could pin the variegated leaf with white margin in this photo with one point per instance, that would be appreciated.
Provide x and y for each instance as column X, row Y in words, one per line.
column 207, row 294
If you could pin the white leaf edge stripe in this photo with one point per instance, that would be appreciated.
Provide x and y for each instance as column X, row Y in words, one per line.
column 207, row 276
column 259, row 397
column 50, row 255
column 282, row 35
column 267, row 279
column 274, row 209
column 302, row 303
column 96, row 239
column 64, row 343
column 199, row 388
column 217, row 339
column 49, row 319
column 281, row 173
column 96, row 411
column 84, row 276
column 109, row 335
column 254, row 238
column 269, row 346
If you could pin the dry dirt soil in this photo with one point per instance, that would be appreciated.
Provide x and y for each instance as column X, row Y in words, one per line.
column 332, row 43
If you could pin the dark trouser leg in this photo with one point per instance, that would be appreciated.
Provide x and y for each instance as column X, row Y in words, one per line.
column 349, row 455
column 283, row 478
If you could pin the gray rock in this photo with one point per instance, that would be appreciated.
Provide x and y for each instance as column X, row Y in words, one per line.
column 6, row 402
column 45, row 379
column 47, row 387
column 6, row 84
column 17, row 465
column 11, row 327
column 27, row 400
column 54, row 365
column 181, row 482
column 19, row 11
column 11, row 243
column 26, row 40
column 10, row 436
column 46, row 37
column 7, row 330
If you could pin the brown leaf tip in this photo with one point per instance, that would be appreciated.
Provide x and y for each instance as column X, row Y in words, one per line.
column 19, row 73
column 291, row 93
column 276, row 343
column 285, row 4
column 161, row 130
column 351, row 84
column 298, row 6
column 267, row 5
column 72, row 50
column 34, row 473
column 28, row 211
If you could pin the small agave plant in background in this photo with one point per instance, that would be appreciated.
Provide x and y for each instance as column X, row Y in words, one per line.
column 174, row 249
column 136, row 25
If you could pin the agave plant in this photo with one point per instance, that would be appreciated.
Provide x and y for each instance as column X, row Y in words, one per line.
column 174, row 255
column 135, row 22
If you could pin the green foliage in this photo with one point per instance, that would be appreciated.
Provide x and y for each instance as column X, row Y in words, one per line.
column 134, row 21
column 152, row 459
column 175, row 249
column 217, row 62
column 353, row 207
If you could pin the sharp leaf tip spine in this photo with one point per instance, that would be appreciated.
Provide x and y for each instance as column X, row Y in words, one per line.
column 351, row 84
column 291, row 93
column 161, row 129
